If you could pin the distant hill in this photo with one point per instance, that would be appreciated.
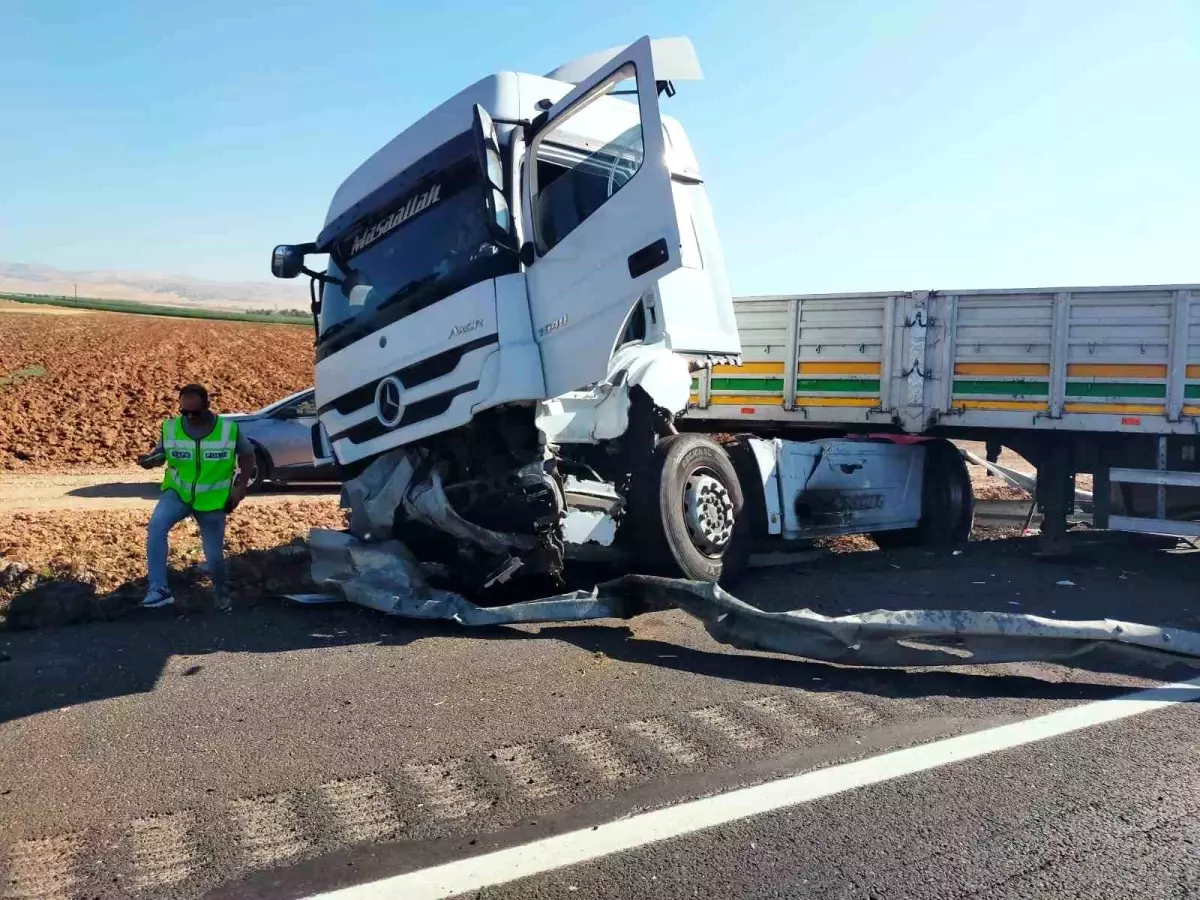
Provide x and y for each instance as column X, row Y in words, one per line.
column 141, row 287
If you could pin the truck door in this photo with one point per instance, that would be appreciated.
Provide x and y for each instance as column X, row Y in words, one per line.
column 604, row 226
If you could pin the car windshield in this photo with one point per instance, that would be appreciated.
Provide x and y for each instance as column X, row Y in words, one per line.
column 430, row 242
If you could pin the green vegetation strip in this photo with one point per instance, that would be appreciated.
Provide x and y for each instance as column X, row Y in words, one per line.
column 22, row 374
column 290, row 317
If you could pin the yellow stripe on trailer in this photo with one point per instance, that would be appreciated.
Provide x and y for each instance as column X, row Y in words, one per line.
column 837, row 401
column 1001, row 368
column 1191, row 410
column 838, row 368
column 1137, row 409
column 1116, row 370
column 746, row 399
column 1008, row 405
column 750, row 368
column 1193, row 371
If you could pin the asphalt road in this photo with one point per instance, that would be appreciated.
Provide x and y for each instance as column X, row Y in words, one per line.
column 278, row 752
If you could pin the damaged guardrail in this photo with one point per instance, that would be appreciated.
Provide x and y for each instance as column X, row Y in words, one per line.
column 385, row 576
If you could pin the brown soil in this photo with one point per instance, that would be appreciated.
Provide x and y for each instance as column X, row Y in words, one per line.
column 86, row 392
column 860, row 543
column 991, row 487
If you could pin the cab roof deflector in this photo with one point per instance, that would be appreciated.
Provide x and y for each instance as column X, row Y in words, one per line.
column 674, row 60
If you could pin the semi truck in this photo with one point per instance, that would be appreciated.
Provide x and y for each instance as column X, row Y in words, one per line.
column 525, row 307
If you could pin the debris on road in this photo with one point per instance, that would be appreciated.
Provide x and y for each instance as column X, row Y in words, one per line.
column 385, row 576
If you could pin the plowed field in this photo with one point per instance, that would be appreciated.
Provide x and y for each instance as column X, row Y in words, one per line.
column 89, row 391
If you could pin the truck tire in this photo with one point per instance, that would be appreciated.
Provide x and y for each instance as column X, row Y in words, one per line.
column 947, row 503
column 686, row 514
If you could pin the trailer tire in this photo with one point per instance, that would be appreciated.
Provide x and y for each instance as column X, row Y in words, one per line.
column 947, row 503
column 671, row 519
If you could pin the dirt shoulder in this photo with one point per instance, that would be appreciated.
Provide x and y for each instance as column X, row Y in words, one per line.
column 66, row 565
column 118, row 489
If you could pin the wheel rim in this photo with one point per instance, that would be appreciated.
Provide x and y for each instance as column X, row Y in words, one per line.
column 707, row 512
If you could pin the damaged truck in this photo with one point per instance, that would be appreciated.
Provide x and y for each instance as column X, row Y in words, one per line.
column 528, row 353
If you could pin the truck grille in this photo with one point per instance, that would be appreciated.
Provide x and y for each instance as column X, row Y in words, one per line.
column 415, row 412
column 410, row 376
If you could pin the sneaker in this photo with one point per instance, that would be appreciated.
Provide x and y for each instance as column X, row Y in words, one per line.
column 221, row 602
column 157, row 597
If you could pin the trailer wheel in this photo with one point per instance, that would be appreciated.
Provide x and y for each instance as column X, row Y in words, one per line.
column 687, row 516
column 947, row 503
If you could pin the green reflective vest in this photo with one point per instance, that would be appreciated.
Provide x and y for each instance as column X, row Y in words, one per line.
column 200, row 470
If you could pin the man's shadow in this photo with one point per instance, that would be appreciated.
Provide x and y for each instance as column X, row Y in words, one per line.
column 67, row 643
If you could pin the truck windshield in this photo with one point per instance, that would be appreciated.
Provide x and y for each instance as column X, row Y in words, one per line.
column 429, row 242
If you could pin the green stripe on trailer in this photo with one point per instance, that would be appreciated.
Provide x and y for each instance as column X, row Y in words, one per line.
column 803, row 385
column 838, row 385
column 1008, row 388
column 1191, row 391
column 746, row 385
column 1115, row 389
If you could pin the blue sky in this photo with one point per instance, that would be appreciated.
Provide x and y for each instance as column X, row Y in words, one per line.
column 847, row 145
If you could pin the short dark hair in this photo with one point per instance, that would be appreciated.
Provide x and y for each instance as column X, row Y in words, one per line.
column 196, row 390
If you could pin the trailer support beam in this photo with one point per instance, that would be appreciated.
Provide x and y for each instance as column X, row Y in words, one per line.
column 1055, row 498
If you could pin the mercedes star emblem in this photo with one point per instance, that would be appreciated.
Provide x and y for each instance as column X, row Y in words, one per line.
column 389, row 406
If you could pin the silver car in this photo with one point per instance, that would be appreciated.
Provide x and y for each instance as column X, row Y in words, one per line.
column 284, row 434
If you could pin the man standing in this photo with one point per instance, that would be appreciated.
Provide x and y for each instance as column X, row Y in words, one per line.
column 208, row 466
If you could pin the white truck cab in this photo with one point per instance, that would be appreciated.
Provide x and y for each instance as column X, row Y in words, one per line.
column 460, row 281
column 520, row 289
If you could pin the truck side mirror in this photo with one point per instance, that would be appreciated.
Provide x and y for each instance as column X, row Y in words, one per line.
column 491, row 172
column 287, row 260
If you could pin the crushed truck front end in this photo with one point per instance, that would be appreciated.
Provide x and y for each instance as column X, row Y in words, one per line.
column 423, row 316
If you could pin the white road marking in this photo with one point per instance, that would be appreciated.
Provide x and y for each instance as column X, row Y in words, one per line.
column 663, row 737
column 162, row 850
column 269, row 831
column 449, row 788
column 777, row 709
column 842, row 707
column 731, row 728
column 362, row 808
column 504, row 866
column 43, row 869
column 596, row 751
column 528, row 770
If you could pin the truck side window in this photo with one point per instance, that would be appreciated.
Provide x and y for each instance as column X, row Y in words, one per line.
column 582, row 160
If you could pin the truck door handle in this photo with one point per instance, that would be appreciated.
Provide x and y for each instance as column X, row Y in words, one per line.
column 649, row 257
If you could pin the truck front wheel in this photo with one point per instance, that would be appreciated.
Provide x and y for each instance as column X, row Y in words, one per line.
column 686, row 512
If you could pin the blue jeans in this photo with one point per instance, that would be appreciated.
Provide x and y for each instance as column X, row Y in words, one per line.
column 170, row 511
